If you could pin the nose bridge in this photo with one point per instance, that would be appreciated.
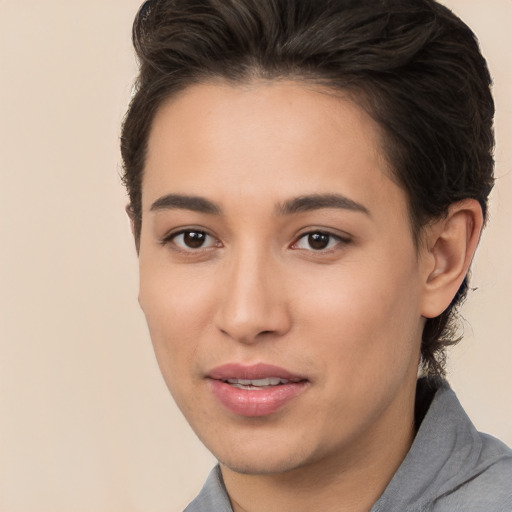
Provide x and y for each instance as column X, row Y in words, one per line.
column 253, row 301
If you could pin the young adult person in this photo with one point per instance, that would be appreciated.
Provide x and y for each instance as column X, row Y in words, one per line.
column 308, row 181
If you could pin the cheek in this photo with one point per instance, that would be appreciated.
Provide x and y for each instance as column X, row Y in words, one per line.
column 365, row 314
column 177, row 308
column 170, row 295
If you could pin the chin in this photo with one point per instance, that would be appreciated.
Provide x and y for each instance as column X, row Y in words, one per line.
column 264, row 459
column 261, row 465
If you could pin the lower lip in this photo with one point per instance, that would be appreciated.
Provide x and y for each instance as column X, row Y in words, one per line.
column 255, row 402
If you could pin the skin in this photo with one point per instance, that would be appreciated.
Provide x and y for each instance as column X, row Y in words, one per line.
column 348, row 317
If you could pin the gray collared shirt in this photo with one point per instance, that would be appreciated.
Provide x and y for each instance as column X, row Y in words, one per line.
column 451, row 467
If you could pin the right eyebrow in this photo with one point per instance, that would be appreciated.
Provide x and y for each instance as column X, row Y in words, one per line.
column 184, row 202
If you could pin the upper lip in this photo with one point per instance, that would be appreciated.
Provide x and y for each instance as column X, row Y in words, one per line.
column 252, row 372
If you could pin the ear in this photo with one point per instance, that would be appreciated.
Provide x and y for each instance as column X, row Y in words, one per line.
column 449, row 246
column 129, row 211
column 133, row 225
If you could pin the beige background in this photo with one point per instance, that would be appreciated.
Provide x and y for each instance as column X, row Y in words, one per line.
column 86, row 423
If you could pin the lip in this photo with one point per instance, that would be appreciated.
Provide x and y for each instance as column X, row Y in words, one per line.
column 255, row 371
column 254, row 402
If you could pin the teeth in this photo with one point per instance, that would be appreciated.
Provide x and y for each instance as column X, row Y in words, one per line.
column 271, row 381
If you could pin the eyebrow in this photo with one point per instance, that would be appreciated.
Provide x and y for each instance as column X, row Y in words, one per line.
column 296, row 205
column 183, row 202
column 319, row 201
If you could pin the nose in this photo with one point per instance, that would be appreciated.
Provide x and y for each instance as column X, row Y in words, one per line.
column 253, row 303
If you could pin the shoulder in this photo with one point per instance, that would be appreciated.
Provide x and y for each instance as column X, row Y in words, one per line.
column 487, row 486
column 451, row 467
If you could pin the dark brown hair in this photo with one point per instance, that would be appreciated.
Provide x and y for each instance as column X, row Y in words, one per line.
column 412, row 64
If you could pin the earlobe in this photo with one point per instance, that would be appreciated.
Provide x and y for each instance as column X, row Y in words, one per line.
column 450, row 245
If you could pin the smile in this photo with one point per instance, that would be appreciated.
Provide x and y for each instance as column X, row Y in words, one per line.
column 254, row 391
column 257, row 383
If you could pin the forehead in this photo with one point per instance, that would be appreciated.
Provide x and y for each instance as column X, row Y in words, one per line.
column 211, row 110
column 264, row 139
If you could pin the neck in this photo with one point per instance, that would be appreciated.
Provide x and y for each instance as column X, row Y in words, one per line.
column 350, row 480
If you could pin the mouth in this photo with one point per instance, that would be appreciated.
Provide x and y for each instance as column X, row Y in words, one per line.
column 257, row 390
column 260, row 384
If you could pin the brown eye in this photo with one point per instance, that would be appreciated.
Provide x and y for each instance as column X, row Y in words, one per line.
column 318, row 241
column 194, row 239
column 191, row 239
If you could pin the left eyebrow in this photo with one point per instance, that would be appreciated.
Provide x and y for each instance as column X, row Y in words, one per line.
column 320, row 201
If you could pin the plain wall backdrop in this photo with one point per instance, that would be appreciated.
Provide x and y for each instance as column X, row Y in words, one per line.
column 86, row 423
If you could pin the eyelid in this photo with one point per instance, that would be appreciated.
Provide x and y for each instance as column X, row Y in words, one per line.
column 342, row 239
column 169, row 239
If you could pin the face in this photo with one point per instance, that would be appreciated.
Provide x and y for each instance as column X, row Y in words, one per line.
column 278, row 275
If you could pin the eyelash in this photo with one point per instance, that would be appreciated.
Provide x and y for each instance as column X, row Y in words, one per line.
column 339, row 240
column 171, row 239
